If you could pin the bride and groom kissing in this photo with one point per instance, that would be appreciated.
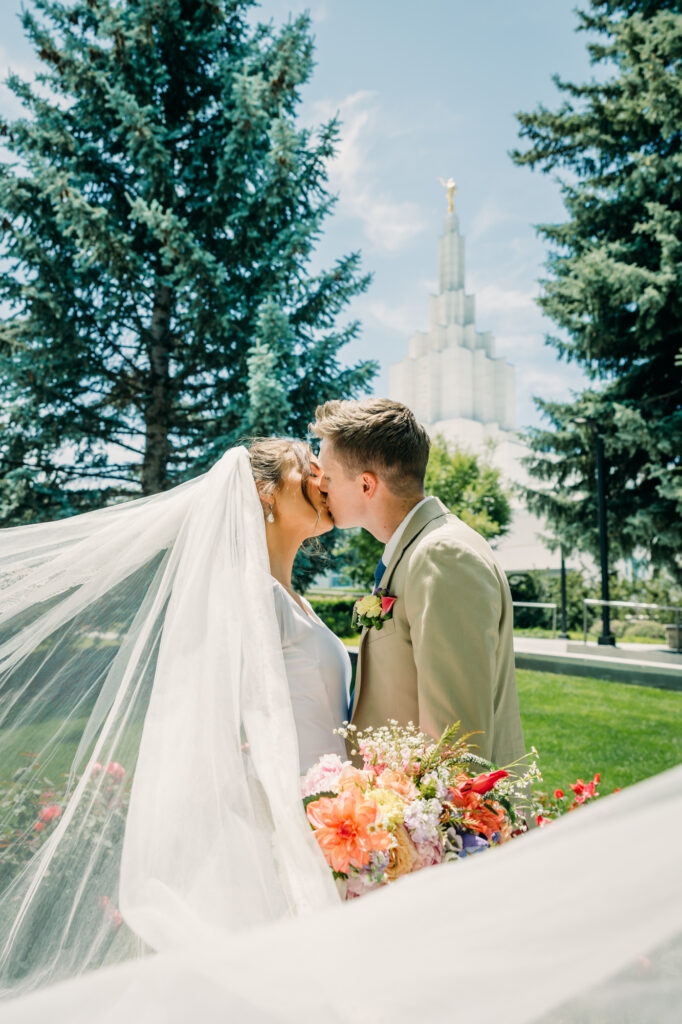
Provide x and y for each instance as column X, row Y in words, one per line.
column 445, row 654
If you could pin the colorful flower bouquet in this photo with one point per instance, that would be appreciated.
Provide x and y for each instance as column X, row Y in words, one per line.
column 414, row 803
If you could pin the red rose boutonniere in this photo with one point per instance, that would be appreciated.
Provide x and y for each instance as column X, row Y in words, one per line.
column 373, row 610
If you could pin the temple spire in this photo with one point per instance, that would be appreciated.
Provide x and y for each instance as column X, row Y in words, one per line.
column 450, row 188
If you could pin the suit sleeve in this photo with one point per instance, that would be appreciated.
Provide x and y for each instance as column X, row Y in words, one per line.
column 453, row 604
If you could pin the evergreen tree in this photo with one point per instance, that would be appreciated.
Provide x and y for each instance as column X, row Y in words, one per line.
column 160, row 207
column 467, row 484
column 615, row 283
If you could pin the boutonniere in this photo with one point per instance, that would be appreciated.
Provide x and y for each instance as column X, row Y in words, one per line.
column 373, row 610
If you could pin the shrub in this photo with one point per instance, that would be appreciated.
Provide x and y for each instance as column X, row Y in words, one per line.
column 644, row 628
column 335, row 612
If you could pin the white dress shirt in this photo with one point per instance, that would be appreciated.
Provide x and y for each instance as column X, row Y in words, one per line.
column 392, row 544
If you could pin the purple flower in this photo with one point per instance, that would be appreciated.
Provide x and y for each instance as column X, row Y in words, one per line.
column 472, row 844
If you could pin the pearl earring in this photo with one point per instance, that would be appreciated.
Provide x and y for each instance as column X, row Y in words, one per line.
column 270, row 517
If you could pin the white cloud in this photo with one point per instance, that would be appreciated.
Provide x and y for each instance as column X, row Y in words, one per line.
column 389, row 224
column 489, row 216
column 493, row 300
column 401, row 319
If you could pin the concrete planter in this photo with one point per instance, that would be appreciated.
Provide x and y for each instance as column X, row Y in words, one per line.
column 674, row 634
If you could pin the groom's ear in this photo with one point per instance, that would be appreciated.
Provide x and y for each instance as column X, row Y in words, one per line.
column 369, row 483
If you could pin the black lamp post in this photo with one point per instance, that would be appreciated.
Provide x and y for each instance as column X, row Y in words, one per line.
column 563, row 635
column 607, row 638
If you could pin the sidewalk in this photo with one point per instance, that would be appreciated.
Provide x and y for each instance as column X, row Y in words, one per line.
column 641, row 664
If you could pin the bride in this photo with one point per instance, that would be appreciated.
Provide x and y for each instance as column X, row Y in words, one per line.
column 156, row 663
column 287, row 477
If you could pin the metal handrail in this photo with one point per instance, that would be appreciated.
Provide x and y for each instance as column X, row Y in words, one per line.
column 540, row 604
column 592, row 601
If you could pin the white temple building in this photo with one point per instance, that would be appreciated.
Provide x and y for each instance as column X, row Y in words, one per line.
column 458, row 388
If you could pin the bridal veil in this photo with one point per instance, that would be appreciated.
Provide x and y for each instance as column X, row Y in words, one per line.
column 142, row 640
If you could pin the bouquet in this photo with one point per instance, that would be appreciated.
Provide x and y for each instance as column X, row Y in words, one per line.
column 414, row 803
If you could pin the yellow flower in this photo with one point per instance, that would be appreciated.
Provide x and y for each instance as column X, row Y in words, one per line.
column 390, row 804
column 403, row 856
column 370, row 606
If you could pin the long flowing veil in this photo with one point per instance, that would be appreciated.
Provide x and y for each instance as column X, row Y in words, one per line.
column 153, row 828
column 147, row 744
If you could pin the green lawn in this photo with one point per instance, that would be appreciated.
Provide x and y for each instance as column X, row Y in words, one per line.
column 581, row 726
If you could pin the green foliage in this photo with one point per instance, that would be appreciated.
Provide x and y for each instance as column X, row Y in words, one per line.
column 470, row 487
column 160, row 208
column 538, row 585
column 614, row 284
column 544, row 586
column 358, row 554
column 335, row 612
column 32, row 803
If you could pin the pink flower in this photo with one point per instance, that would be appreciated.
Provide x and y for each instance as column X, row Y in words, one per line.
column 49, row 813
column 95, row 770
column 39, row 826
column 116, row 771
column 398, row 782
column 428, row 854
column 386, row 605
column 323, row 777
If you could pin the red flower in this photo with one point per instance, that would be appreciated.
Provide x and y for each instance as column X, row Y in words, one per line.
column 386, row 605
column 39, row 826
column 48, row 813
column 116, row 771
column 584, row 790
column 558, row 793
column 617, row 789
column 482, row 783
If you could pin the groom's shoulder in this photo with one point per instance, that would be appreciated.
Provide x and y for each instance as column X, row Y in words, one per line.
column 448, row 539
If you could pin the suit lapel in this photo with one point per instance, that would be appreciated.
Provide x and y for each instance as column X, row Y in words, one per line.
column 431, row 509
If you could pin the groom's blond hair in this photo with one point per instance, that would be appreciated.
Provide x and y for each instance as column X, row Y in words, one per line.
column 376, row 435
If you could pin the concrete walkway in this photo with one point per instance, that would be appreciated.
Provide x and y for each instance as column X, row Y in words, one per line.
column 641, row 664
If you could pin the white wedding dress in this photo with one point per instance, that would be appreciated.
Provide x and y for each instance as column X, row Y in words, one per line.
column 318, row 672
column 151, row 634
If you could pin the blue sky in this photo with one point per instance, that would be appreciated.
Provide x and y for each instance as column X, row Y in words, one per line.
column 428, row 90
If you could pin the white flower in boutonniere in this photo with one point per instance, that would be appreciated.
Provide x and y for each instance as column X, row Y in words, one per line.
column 373, row 610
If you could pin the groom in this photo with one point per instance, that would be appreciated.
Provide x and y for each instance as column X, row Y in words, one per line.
column 446, row 653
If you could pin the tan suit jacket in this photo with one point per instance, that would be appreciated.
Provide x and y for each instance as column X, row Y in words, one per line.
column 447, row 653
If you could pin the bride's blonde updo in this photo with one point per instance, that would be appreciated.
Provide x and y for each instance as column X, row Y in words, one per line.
column 271, row 457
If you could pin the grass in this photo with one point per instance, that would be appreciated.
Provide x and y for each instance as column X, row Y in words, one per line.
column 582, row 725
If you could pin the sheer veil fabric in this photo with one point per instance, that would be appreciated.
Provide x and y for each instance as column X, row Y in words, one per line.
column 144, row 638
column 147, row 634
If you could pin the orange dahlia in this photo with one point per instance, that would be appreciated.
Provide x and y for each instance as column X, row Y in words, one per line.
column 343, row 828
